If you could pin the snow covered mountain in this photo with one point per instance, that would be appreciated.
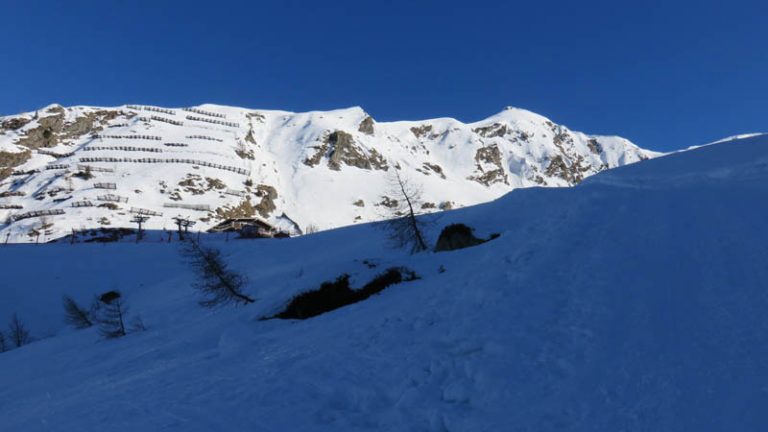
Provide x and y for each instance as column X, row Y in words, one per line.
column 84, row 167
column 634, row 301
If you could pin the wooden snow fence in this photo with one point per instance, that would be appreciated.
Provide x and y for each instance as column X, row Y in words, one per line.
column 111, row 186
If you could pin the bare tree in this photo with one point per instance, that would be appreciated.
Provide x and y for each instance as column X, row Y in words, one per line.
column 18, row 332
column 75, row 315
column 404, row 228
column 216, row 281
column 110, row 313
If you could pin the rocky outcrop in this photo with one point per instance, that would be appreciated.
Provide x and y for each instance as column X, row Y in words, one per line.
column 366, row 126
column 268, row 195
column 344, row 151
column 243, row 210
column 9, row 160
column 489, row 166
column 422, row 130
column 572, row 173
column 53, row 129
column 14, row 123
column 494, row 130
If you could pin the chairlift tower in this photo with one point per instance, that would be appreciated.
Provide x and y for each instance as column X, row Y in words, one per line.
column 139, row 219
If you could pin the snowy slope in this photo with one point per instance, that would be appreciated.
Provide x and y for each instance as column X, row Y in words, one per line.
column 325, row 169
column 635, row 301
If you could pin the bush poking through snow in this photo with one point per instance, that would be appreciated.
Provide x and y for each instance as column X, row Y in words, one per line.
column 335, row 294
column 110, row 314
column 458, row 236
column 216, row 281
column 74, row 315
column 17, row 332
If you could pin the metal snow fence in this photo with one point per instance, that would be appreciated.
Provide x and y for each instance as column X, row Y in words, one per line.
column 137, row 137
column 143, row 211
column 212, row 121
column 234, row 192
column 54, row 154
column 105, row 186
column 197, row 207
column 166, row 120
column 237, row 170
column 112, row 198
column 37, row 213
column 208, row 113
column 83, row 203
column 204, row 137
column 124, row 148
column 11, row 206
column 176, row 144
column 56, row 166
column 151, row 108
column 94, row 169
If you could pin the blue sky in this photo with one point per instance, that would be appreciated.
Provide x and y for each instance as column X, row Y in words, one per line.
column 664, row 74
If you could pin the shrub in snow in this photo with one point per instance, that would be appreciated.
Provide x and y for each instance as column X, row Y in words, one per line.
column 75, row 315
column 458, row 236
column 2, row 343
column 216, row 281
column 110, row 314
column 17, row 332
column 335, row 294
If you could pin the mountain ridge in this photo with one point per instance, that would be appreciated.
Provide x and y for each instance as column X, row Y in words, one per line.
column 322, row 169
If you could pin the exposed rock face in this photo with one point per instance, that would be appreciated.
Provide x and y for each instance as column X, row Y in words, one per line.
column 489, row 166
column 243, row 210
column 14, row 123
column 594, row 146
column 52, row 129
column 366, row 126
column 573, row 173
column 316, row 158
column 494, row 130
column 429, row 167
column 389, row 202
column 422, row 130
column 268, row 196
column 10, row 160
column 343, row 150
